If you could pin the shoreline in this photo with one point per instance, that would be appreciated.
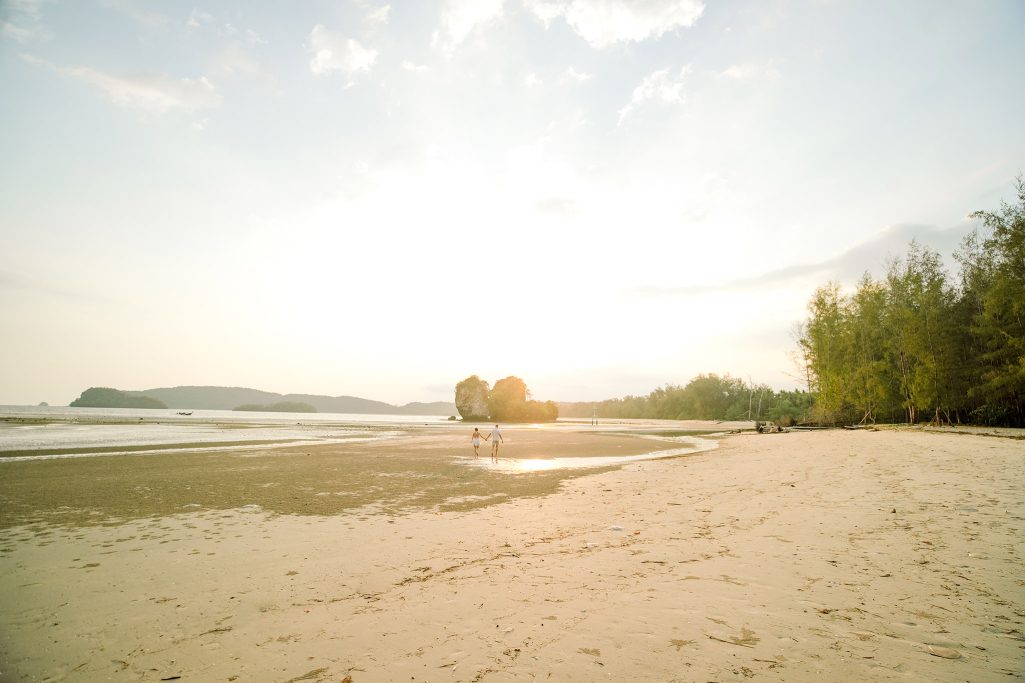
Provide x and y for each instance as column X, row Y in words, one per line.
column 415, row 468
column 848, row 555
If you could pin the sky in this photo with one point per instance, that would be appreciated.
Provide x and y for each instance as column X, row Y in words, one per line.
column 370, row 199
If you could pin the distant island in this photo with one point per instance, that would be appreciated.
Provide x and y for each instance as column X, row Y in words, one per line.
column 232, row 398
column 105, row 397
column 280, row 407
column 507, row 401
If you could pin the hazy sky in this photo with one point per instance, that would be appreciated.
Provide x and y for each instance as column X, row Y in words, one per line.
column 351, row 197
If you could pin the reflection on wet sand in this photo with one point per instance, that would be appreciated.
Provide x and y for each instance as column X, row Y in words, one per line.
column 698, row 445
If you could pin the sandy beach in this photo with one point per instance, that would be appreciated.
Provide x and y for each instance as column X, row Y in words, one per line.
column 838, row 555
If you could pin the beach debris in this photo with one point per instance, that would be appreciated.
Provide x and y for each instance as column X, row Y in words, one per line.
column 309, row 675
column 221, row 629
column 615, row 527
column 944, row 652
column 169, row 678
column 747, row 638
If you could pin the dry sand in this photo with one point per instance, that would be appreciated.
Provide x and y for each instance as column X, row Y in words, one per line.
column 788, row 557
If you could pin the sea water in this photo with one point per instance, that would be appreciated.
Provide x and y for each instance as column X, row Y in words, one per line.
column 51, row 432
column 58, row 432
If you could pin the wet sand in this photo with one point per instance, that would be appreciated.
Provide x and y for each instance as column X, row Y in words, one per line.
column 788, row 557
column 426, row 469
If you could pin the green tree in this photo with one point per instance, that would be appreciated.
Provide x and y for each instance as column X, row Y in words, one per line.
column 828, row 345
column 872, row 384
column 997, row 278
column 924, row 343
column 508, row 399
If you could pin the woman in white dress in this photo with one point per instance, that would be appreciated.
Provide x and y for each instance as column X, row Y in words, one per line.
column 476, row 442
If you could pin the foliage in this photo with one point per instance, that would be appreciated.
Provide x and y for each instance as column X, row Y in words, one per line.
column 706, row 397
column 280, row 407
column 508, row 401
column 919, row 345
column 226, row 398
column 105, row 397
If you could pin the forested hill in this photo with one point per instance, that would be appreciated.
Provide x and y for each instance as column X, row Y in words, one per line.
column 228, row 398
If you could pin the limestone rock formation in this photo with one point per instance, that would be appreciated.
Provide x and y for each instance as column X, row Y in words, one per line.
column 472, row 398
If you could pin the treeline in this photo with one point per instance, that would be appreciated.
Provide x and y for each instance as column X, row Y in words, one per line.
column 106, row 397
column 920, row 345
column 279, row 407
column 706, row 397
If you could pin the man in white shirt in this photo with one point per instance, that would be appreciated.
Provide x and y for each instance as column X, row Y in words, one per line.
column 496, row 438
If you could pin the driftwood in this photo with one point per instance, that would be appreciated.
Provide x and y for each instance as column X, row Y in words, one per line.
column 769, row 428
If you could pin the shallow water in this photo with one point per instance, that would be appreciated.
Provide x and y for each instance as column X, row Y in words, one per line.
column 28, row 433
column 53, row 441
column 695, row 445
column 48, row 433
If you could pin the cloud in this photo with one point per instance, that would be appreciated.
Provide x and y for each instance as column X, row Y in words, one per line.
column 19, row 34
column 606, row 22
column 412, row 66
column 149, row 92
column 132, row 9
column 334, row 52
column 199, row 18
column 660, row 86
column 557, row 205
column 379, row 16
column 574, row 76
column 235, row 60
column 531, row 80
column 22, row 23
column 847, row 267
column 461, row 18
column 752, row 70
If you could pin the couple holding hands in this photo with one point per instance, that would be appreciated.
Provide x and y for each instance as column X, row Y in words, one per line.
column 495, row 436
